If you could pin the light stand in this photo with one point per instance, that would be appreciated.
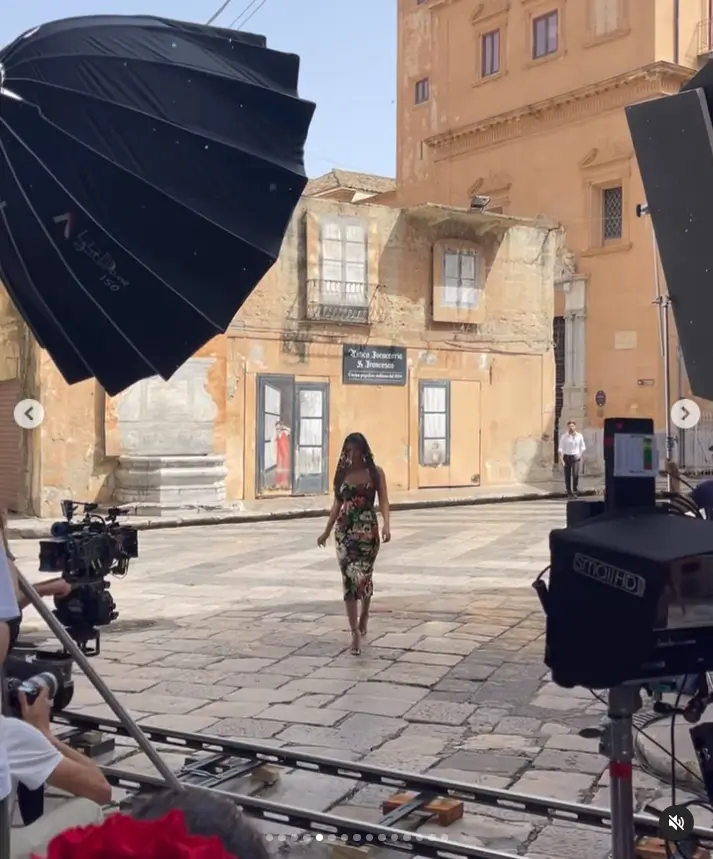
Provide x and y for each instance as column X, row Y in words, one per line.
column 663, row 302
column 617, row 743
column 121, row 714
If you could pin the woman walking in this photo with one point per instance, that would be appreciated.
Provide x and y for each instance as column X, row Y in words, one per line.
column 357, row 485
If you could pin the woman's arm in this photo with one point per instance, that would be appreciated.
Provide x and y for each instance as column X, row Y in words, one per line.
column 333, row 514
column 384, row 501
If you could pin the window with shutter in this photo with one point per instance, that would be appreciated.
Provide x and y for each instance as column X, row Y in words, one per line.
column 605, row 16
column 435, row 420
column 461, row 283
column 344, row 263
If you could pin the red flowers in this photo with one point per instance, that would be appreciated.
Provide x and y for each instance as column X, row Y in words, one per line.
column 122, row 837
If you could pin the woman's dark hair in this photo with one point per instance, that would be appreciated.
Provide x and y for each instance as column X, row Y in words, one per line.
column 205, row 814
column 355, row 439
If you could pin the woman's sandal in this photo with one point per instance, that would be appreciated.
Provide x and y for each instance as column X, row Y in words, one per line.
column 356, row 643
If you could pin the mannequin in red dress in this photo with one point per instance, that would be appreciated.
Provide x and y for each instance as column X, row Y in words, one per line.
column 284, row 456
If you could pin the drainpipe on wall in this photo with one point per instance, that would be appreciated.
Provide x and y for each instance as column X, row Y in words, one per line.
column 676, row 28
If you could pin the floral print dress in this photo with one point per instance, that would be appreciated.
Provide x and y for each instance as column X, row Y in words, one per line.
column 357, row 537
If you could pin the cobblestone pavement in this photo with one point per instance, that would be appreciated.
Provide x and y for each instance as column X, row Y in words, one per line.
column 239, row 631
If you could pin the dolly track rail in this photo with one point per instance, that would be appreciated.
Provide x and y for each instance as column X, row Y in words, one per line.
column 645, row 825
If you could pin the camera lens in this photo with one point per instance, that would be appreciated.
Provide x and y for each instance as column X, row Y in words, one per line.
column 35, row 684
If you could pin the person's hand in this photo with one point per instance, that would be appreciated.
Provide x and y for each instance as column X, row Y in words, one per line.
column 322, row 540
column 385, row 534
column 38, row 713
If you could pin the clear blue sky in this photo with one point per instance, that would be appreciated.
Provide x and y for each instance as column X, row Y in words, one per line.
column 348, row 53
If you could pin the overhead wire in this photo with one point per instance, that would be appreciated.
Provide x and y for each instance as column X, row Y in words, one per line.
column 242, row 19
column 218, row 12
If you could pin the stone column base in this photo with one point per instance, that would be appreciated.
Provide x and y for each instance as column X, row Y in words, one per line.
column 164, row 485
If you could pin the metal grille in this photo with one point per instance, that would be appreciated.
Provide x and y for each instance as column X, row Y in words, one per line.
column 612, row 211
column 10, row 446
column 339, row 301
column 696, row 446
column 558, row 328
column 704, row 37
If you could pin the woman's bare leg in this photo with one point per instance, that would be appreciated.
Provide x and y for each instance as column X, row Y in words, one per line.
column 364, row 617
column 353, row 618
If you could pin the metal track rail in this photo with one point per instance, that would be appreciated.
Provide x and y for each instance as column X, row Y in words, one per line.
column 230, row 759
column 329, row 826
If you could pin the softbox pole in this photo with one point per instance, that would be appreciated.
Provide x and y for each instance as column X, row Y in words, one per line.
column 663, row 303
column 121, row 714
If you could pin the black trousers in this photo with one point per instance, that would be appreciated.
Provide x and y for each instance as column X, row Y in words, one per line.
column 572, row 465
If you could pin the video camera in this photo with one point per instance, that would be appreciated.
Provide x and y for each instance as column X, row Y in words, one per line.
column 85, row 553
column 630, row 596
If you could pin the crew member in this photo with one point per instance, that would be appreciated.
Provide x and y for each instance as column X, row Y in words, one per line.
column 571, row 449
column 701, row 495
column 50, row 588
column 35, row 758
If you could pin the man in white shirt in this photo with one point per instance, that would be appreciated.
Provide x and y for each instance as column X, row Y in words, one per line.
column 9, row 610
column 571, row 449
column 36, row 758
column 30, row 755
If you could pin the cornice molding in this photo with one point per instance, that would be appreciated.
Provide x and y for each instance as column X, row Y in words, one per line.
column 614, row 93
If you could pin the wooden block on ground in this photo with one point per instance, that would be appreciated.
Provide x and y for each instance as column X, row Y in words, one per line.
column 267, row 774
column 349, row 851
column 655, row 848
column 446, row 809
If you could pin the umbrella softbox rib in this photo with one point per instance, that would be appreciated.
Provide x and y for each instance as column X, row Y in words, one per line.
column 158, row 165
column 56, row 311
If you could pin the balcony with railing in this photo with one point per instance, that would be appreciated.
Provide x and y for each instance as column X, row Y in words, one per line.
column 704, row 39
column 339, row 301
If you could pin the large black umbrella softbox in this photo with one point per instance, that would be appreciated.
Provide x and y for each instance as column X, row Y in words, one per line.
column 148, row 172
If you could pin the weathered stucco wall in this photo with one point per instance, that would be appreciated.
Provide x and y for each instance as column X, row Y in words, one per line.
column 84, row 432
column 549, row 135
column 501, row 372
column 500, row 369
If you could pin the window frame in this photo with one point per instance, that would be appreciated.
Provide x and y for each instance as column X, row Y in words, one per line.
column 422, row 86
column 621, row 29
column 439, row 384
column 544, row 18
column 610, row 239
column 478, row 284
column 343, row 299
column 484, row 41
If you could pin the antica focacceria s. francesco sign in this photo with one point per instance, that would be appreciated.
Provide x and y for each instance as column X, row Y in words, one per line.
column 373, row 365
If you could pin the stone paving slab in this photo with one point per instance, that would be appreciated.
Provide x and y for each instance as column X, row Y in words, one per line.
column 450, row 682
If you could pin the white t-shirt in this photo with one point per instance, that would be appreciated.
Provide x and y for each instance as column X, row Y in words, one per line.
column 31, row 757
column 572, row 444
column 9, row 610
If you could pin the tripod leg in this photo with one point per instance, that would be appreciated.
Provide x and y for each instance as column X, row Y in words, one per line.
column 624, row 701
column 66, row 641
